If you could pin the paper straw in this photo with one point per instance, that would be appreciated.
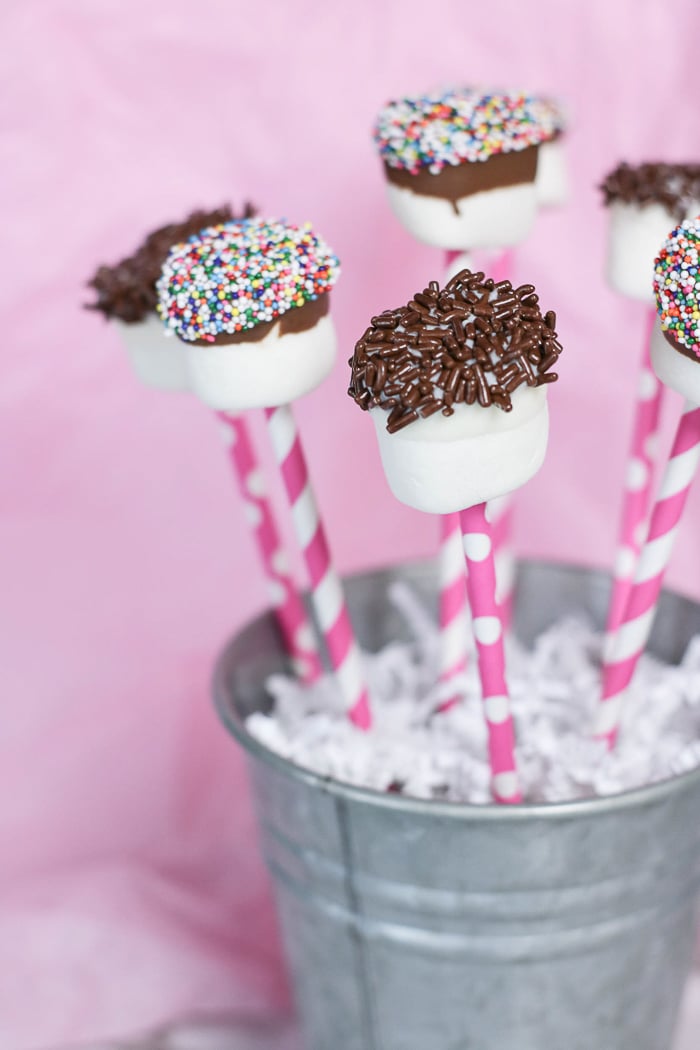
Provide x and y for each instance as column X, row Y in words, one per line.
column 638, row 484
column 454, row 603
column 454, row 606
column 288, row 606
column 326, row 591
column 502, row 267
column 488, row 634
column 629, row 641
column 451, row 256
column 451, row 267
column 501, row 516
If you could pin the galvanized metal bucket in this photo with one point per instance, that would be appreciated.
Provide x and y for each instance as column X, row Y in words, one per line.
column 432, row 926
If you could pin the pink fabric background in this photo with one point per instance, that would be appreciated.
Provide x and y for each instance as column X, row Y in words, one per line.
column 130, row 885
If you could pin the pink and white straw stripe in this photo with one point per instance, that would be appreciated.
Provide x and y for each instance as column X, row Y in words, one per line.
column 629, row 641
column 488, row 634
column 638, row 484
column 289, row 609
column 326, row 590
column 454, row 606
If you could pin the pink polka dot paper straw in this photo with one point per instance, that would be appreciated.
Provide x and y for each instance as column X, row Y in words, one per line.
column 631, row 636
column 289, row 609
column 500, row 269
column 453, row 263
column 454, row 606
column 455, row 631
column 326, row 590
column 452, row 257
column 502, row 266
column 638, row 485
column 488, row 634
column 501, row 515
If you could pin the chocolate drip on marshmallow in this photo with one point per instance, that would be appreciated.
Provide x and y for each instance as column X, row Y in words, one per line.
column 300, row 319
column 473, row 342
column 453, row 183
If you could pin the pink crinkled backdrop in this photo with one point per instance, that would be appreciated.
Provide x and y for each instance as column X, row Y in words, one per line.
column 131, row 888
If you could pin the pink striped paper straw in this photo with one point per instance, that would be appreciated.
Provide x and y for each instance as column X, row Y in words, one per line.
column 637, row 497
column 631, row 636
column 289, row 609
column 488, row 634
column 454, row 606
column 326, row 591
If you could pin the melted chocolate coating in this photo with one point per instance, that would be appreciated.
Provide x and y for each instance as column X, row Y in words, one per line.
column 463, row 180
column 298, row 319
column 685, row 350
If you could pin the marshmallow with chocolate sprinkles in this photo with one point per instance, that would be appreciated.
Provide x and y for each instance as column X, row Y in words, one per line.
column 675, row 346
column 127, row 297
column 456, row 382
column 645, row 201
column 249, row 300
column 460, row 165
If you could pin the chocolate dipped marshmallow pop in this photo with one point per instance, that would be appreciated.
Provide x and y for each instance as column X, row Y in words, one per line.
column 127, row 297
column 644, row 202
column 456, row 384
column 250, row 301
column 461, row 166
column 676, row 359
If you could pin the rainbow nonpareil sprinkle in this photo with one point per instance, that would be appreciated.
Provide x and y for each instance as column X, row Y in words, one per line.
column 460, row 126
column 549, row 113
column 677, row 285
column 232, row 277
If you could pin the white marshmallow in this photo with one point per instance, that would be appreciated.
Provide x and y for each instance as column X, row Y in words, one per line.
column 636, row 234
column 274, row 371
column 496, row 218
column 673, row 368
column 445, row 464
column 158, row 360
column 552, row 180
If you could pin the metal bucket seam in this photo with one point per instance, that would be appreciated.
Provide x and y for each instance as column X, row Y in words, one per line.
column 369, row 1022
